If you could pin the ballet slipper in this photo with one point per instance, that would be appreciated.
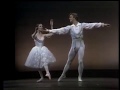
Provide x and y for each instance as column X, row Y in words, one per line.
column 79, row 79
column 48, row 75
column 40, row 80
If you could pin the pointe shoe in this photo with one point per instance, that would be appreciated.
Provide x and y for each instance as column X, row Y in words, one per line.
column 40, row 80
column 49, row 76
column 79, row 79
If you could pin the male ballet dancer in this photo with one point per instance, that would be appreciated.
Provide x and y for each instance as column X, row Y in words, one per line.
column 76, row 32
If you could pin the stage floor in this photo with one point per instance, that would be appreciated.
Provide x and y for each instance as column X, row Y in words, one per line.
column 65, row 84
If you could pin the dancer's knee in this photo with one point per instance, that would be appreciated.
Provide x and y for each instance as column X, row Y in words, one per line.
column 69, row 62
column 80, row 62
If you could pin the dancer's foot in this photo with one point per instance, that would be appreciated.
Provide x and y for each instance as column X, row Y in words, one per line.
column 48, row 75
column 60, row 78
column 79, row 79
column 40, row 80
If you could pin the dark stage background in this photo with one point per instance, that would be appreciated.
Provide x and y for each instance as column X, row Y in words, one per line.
column 101, row 51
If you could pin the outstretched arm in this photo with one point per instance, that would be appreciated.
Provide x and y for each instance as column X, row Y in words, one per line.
column 94, row 25
column 62, row 30
column 48, row 35
column 44, row 32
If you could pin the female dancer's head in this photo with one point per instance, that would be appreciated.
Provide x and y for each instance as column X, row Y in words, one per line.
column 39, row 27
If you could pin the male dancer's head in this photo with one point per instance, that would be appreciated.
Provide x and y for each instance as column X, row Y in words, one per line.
column 73, row 17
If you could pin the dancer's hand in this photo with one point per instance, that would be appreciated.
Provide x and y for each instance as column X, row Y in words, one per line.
column 105, row 24
column 46, row 29
column 49, row 30
column 51, row 22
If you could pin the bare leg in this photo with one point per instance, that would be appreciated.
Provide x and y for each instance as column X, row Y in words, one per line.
column 71, row 56
column 80, row 62
column 41, row 75
column 47, row 71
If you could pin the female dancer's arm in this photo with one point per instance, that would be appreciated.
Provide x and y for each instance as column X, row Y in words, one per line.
column 33, row 35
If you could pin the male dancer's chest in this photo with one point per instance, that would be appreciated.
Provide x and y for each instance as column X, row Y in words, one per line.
column 76, row 29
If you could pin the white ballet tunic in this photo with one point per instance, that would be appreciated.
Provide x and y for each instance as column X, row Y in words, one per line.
column 39, row 55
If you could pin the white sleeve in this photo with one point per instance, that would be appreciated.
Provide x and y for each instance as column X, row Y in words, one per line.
column 62, row 30
column 92, row 25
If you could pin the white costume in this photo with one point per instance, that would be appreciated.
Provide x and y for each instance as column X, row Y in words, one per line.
column 76, row 32
column 39, row 56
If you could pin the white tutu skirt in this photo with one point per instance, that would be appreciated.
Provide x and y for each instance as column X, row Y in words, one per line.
column 39, row 56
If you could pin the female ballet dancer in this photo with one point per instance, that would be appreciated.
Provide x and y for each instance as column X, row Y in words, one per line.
column 40, row 56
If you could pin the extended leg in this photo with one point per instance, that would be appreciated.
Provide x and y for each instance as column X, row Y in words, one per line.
column 71, row 56
column 80, row 62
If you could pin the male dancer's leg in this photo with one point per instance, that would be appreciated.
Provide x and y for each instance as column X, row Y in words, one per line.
column 80, row 61
column 71, row 56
